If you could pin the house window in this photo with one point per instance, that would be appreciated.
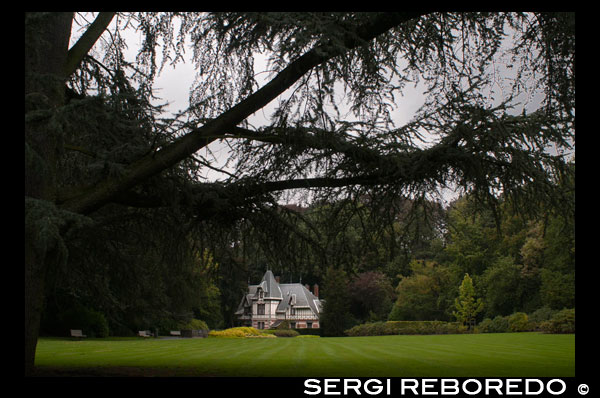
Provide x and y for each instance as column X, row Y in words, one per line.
column 292, row 325
column 261, row 325
column 260, row 309
column 309, row 325
column 292, row 311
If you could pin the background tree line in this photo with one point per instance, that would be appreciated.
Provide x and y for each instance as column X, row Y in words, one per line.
column 404, row 263
column 517, row 264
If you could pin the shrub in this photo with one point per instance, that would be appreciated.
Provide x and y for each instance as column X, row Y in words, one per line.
column 484, row 325
column 518, row 322
column 562, row 322
column 285, row 333
column 283, row 325
column 195, row 324
column 93, row 323
column 167, row 324
column 237, row 332
column 226, row 333
column 405, row 327
column 499, row 324
column 425, row 327
column 541, row 315
column 98, row 324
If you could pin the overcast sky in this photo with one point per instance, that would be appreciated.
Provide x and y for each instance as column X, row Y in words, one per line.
column 174, row 83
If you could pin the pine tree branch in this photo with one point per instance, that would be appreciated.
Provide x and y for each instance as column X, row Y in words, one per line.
column 87, row 41
column 309, row 138
column 209, row 198
column 200, row 137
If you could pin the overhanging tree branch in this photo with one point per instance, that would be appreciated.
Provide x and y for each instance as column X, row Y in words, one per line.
column 405, row 169
column 198, row 138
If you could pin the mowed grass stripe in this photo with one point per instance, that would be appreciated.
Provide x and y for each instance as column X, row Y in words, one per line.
column 410, row 359
column 361, row 357
column 471, row 355
column 510, row 354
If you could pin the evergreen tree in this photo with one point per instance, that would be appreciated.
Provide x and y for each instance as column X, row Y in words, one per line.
column 335, row 316
column 467, row 308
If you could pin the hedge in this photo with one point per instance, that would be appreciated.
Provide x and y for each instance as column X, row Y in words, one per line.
column 405, row 327
column 544, row 319
column 519, row 322
column 308, row 332
column 497, row 325
column 562, row 322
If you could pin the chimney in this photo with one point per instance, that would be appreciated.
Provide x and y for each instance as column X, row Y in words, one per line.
column 277, row 279
column 316, row 290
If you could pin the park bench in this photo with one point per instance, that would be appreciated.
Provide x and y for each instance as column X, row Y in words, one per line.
column 144, row 333
column 77, row 333
column 175, row 332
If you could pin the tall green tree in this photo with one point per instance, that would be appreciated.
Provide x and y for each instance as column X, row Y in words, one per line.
column 467, row 307
column 371, row 296
column 335, row 316
column 94, row 139
column 503, row 284
column 425, row 295
column 473, row 238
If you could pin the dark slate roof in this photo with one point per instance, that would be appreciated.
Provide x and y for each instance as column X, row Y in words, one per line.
column 298, row 296
column 270, row 286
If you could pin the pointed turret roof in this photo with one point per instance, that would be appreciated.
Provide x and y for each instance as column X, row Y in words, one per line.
column 270, row 286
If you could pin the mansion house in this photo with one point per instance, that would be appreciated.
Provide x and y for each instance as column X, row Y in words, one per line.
column 269, row 303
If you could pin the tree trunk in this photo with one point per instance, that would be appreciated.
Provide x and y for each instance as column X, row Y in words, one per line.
column 46, row 44
column 34, row 301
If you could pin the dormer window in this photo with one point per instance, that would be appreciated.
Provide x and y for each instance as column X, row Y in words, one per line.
column 261, row 293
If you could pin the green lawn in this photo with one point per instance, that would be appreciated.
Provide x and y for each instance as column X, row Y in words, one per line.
column 484, row 355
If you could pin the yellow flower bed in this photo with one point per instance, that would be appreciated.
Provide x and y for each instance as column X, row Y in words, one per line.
column 238, row 332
